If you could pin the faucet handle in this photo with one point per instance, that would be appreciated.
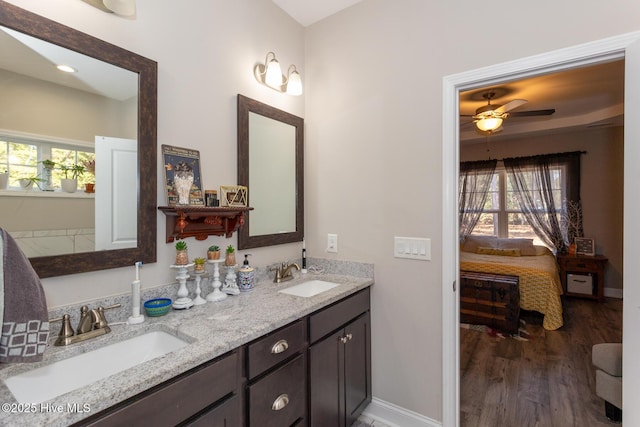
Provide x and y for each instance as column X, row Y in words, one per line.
column 100, row 321
column 66, row 330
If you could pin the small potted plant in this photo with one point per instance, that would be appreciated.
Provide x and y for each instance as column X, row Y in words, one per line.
column 70, row 185
column 27, row 183
column 213, row 252
column 198, row 264
column 182, row 256
column 230, row 258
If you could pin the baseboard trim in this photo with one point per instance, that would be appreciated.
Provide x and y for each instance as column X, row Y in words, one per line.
column 613, row 292
column 396, row 416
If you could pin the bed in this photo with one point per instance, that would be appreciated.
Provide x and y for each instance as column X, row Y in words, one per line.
column 536, row 266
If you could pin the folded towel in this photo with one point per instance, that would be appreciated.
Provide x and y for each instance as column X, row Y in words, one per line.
column 23, row 307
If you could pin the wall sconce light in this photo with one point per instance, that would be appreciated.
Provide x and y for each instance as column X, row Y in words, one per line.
column 270, row 74
column 119, row 7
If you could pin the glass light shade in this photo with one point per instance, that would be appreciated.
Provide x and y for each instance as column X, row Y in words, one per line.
column 294, row 85
column 121, row 7
column 489, row 124
column 273, row 76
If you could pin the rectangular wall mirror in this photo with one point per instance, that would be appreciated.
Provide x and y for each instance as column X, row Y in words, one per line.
column 46, row 112
column 270, row 164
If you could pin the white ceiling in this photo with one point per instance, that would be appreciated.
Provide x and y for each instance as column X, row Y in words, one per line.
column 307, row 12
column 583, row 98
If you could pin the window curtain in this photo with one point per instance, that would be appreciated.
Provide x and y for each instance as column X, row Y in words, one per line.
column 531, row 181
column 474, row 185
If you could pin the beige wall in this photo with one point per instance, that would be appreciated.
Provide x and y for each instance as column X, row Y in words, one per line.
column 601, row 182
column 373, row 111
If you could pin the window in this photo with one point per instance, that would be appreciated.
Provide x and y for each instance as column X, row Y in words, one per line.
column 502, row 215
column 21, row 158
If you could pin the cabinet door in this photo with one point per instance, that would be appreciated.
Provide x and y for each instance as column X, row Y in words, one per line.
column 357, row 367
column 226, row 414
column 326, row 377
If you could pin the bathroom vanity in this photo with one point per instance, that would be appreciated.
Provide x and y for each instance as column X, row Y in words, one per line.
column 262, row 358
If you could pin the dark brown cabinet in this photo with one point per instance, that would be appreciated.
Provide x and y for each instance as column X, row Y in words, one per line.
column 207, row 392
column 340, row 362
column 277, row 374
column 314, row 371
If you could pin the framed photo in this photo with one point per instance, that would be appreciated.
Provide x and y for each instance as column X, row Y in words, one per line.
column 585, row 246
column 179, row 162
column 233, row 195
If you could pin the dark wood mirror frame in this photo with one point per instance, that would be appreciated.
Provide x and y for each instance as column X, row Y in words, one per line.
column 37, row 26
column 245, row 106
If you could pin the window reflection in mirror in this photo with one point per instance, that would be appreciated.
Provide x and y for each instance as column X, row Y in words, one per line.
column 51, row 115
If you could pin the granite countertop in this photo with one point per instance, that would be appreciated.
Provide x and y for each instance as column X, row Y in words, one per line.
column 212, row 329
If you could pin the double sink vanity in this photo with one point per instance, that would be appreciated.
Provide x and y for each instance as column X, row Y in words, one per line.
column 295, row 353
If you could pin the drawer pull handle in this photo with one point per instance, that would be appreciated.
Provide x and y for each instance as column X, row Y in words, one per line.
column 280, row 347
column 280, row 402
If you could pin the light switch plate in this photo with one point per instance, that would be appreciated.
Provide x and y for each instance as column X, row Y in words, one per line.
column 412, row 248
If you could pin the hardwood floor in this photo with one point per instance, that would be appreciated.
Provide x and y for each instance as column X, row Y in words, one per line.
column 546, row 381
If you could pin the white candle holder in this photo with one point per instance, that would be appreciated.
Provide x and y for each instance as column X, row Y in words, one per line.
column 216, row 295
column 183, row 301
column 230, row 287
column 198, row 300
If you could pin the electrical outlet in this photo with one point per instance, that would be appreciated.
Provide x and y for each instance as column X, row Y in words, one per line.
column 412, row 248
column 332, row 243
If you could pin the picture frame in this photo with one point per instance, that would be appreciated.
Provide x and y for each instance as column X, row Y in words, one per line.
column 176, row 158
column 585, row 246
column 233, row 195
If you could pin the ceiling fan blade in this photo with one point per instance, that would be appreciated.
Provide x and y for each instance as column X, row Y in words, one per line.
column 511, row 105
column 548, row 112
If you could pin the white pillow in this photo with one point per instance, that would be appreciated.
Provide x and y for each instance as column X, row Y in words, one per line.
column 525, row 245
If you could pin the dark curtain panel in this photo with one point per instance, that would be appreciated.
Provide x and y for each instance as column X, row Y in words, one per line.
column 475, row 181
column 544, row 209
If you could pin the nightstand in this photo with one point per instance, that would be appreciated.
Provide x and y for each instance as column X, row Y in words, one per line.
column 582, row 276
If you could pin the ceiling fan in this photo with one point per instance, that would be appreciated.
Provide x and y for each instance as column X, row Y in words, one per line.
column 489, row 118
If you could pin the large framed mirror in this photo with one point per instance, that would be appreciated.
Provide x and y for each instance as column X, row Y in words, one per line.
column 271, row 165
column 26, row 32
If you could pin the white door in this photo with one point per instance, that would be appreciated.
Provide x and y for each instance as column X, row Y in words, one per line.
column 627, row 46
column 116, row 197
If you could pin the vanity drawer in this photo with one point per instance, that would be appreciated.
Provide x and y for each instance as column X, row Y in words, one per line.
column 178, row 399
column 280, row 398
column 333, row 317
column 272, row 349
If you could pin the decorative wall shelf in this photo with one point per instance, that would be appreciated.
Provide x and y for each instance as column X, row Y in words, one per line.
column 201, row 222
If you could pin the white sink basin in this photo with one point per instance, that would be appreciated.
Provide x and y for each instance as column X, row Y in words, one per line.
column 310, row 288
column 63, row 376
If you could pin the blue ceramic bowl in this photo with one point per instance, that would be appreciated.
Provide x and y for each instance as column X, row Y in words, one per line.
column 157, row 307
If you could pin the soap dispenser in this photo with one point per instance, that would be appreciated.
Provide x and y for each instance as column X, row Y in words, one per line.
column 246, row 275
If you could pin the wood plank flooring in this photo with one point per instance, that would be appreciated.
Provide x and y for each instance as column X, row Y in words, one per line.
column 548, row 381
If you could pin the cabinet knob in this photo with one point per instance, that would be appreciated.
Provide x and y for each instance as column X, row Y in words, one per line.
column 280, row 402
column 346, row 338
column 280, row 347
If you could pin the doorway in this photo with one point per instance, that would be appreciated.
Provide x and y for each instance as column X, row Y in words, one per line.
column 627, row 47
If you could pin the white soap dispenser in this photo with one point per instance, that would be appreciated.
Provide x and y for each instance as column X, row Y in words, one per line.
column 246, row 275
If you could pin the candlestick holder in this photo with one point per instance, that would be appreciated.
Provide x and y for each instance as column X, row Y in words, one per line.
column 183, row 301
column 216, row 295
column 198, row 300
column 230, row 287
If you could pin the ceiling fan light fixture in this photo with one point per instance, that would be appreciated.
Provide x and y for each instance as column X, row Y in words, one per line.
column 489, row 123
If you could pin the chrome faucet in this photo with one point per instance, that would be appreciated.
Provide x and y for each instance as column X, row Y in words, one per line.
column 284, row 273
column 92, row 324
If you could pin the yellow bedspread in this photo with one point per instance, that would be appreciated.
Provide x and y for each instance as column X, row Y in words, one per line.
column 540, row 287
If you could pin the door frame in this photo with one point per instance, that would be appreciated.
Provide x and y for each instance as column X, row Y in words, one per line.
column 625, row 46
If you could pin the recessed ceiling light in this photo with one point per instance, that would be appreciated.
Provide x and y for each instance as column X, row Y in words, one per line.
column 66, row 68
